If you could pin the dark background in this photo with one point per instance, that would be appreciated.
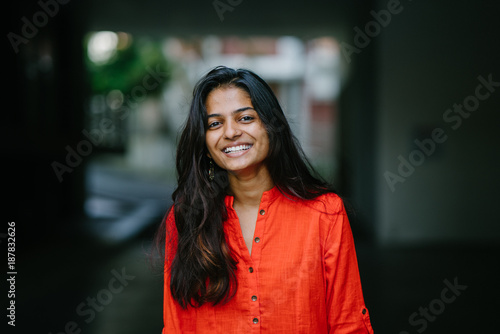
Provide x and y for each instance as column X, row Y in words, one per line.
column 440, row 224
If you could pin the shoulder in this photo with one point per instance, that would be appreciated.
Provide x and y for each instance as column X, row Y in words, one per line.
column 329, row 206
column 329, row 203
column 333, row 216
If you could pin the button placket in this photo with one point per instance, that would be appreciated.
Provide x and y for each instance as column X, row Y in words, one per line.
column 262, row 212
column 254, row 304
column 253, row 298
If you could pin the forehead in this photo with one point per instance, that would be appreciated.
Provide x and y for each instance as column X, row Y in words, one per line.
column 227, row 98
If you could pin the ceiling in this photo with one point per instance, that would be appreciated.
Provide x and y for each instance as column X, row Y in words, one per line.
column 300, row 18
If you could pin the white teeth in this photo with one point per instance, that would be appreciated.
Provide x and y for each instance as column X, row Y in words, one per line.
column 237, row 148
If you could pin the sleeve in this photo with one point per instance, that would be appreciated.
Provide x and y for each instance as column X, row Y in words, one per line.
column 346, row 308
column 171, row 320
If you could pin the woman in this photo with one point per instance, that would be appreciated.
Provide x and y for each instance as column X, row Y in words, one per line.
column 255, row 243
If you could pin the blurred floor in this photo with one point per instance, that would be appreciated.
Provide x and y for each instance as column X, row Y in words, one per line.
column 100, row 288
column 123, row 200
column 396, row 284
column 106, row 286
column 404, row 288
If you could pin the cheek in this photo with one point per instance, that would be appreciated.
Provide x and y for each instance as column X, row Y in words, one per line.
column 209, row 143
column 211, row 138
column 265, row 140
column 266, row 149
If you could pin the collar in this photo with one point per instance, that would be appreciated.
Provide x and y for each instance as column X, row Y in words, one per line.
column 268, row 197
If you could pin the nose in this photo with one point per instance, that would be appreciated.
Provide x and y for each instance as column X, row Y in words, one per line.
column 231, row 130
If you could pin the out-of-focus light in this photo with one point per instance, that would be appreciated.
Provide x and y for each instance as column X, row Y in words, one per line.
column 124, row 40
column 102, row 46
column 114, row 99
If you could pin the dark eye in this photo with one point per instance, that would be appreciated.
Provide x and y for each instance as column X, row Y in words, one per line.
column 247, row 118
column 213, row 124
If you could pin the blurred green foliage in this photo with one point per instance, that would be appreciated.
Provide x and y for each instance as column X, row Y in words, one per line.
column 127, row 68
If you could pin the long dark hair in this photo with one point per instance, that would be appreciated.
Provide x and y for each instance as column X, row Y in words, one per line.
column 201, row 268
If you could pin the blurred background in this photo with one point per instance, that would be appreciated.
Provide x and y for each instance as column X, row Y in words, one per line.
column 395, row 102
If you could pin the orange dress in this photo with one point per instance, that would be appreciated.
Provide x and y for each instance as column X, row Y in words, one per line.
column 302, row 275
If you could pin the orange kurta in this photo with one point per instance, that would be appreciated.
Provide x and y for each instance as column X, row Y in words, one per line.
column 302, row 275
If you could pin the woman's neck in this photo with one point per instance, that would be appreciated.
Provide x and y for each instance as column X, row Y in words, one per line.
column 248, row 190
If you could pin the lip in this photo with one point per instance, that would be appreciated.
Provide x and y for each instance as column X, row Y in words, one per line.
column 236, row 154
column 236, row 144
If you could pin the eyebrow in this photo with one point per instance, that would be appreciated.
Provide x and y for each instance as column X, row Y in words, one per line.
column 234, row 112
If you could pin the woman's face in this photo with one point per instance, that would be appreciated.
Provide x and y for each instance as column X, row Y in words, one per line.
column 236, row 138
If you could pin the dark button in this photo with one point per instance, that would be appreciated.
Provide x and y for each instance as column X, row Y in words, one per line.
column 262, row 212
column 254, row 298
column 255, row 320
column 250, row 270
column 364, row 311
column 257, row 239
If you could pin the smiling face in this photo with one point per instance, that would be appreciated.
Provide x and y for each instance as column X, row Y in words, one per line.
column 236, row 138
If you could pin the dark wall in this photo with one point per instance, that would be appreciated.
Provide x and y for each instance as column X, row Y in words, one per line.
column 430, row 59
column 43, row 114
